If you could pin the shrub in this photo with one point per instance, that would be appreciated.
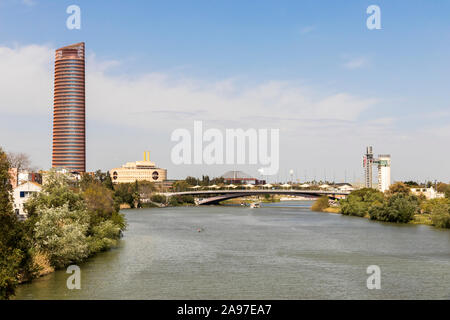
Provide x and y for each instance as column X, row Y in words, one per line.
column 440, row 215
column 398, row 208
column 320, row 204
column 159, row 198
column 104, row 236
column 188, row 199
column 15, row 242
column 61, row 234
column 173, row 201
column 358, row 202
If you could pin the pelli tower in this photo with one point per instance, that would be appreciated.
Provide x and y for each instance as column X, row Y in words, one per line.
column 384, row 169
column 69, row 150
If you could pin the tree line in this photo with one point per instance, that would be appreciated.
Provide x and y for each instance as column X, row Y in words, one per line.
column 68, row 221
column 398, row 205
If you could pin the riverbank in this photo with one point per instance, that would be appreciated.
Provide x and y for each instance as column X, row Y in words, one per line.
column 398, row 205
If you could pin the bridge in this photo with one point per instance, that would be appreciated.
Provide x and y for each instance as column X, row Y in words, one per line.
column 216, row 196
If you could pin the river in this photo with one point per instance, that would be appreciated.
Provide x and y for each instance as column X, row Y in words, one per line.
column 280, row 251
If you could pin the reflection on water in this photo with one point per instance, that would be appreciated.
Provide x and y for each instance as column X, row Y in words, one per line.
column 279, row 251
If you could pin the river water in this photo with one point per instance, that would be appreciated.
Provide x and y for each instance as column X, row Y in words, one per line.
column 279, row 251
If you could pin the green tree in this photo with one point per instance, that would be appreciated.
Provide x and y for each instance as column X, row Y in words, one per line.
column 61, row 234
column 440, row 214
column 69, row 223
column 358, row 202
column 15, row 245
column 59, row 189
column 399, row 187
column 180, row 186
column 398, row 208
column 444, row 188
column 159, row 198
column 125, row 193
column 108, row 182
column 191, row 181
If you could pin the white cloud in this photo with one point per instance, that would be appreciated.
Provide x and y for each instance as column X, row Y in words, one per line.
column 129, row 113
column 356, row 63
column 126, row 100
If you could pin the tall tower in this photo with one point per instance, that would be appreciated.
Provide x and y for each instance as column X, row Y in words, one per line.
column 367, row 164
column 384, row 172
column 69, row 137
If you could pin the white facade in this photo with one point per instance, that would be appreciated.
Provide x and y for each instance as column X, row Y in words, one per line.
column 384, row 172
column 429, row 193
column 21, row 194
column 346, row 188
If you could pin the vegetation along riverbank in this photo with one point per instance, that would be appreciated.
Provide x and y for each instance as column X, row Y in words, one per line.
column 68, row 221
column 396, row 205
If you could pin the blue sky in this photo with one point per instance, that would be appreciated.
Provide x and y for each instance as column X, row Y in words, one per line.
column 323, row 47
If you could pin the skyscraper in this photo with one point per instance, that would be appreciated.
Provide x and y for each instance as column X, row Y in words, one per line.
column 69, row 149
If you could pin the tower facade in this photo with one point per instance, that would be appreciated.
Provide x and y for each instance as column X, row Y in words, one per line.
column 367, row 164
column 384, row 172
column 383, row 163
column 69, row 114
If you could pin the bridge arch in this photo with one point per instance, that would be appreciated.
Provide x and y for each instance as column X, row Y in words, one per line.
column 216, row 196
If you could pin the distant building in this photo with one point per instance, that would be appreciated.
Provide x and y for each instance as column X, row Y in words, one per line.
column 429, row 193
column 384, row 172
column 72, row 175
column 239, row 177
column 21, row 194
column 29, row 176
column 69, row 113
column 19, row 177
column 384, row 169
column 346, row 187
column 139, row 170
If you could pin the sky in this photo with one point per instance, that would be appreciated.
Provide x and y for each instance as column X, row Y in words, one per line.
column 311, row 69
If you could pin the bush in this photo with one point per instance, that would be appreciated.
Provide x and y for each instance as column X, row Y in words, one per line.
column 61, row 234
column 158, row 198
column 440, row 215
column 71, row 223
column 358, row 202
column 320, row 204
column 16, row 261
column 188, row 199
column 173, row 201
column 398, row 208
column 104, row 236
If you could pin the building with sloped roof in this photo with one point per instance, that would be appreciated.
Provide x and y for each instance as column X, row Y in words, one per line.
column 239, row 177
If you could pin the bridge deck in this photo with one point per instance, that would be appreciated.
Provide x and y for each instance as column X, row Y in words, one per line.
column 216, row 196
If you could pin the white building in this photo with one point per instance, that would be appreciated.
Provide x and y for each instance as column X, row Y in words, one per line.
column 21, row 194
column 346, row 187
column 384, row 172
column 429, row 193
